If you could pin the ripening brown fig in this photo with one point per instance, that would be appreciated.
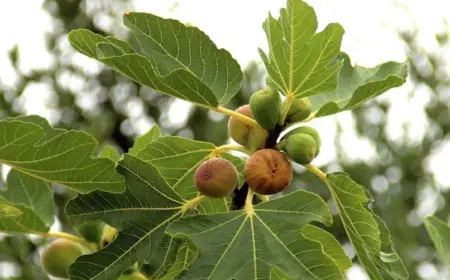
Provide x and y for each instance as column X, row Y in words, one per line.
column 267, row 171
column 216, row 177
column 251, row 137
column 300, row 109
column 59, row 255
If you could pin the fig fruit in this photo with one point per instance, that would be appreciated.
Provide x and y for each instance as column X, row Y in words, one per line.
column 267, row 171
column 266, row 107
column 109, row 234
column 311, row 132
column 91, row 231
column 248, row 136
column 300, row 109
column 59, row 255
column 132, row 276
column 300, row 147
column 216, row 177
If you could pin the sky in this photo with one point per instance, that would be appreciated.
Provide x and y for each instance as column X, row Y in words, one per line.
column 236, row 25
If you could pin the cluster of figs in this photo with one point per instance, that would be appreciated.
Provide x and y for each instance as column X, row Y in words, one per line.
column 268, row 170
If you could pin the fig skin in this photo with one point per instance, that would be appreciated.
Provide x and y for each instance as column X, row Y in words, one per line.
column 91, row 231
column 266, row 107
column 252, row 138
column 300, row 109
column 109, row 234
column 267, row 171
column 59, row 255
column 216, row 177
column 311, row 132
column 301, row 148
column 129, row 277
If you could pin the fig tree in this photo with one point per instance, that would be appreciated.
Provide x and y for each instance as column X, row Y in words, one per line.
column 216, row 177
column 248, row 136
column 267, row 171
column 300, row 147
column 266, row 107
column 311, row 132
column 59, row 255
column 91, row 231
column 300, row 109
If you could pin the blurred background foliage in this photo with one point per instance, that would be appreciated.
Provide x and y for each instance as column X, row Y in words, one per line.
column 115, row 110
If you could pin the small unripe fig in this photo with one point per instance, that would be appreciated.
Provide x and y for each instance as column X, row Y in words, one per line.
column 266, row 107
column 216, row 177
column 301, row 148
column 59, row 255
column 267, row 171
column 132, row 276
column 311, row 132
column 91, row 231
column 300, row 109
column 248, row 136
column 109, row 234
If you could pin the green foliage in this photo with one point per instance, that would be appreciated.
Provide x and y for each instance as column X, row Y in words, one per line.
column 142, row 141
column 440, row 235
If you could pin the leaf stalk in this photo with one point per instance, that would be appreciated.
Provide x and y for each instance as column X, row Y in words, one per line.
column 230, row 147
column 286, row 107
column 192, row 203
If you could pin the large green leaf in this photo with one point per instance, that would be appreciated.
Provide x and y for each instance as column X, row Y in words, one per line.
column 143, row 140
column 186, row 255
column 367, row 233
column 357, row 85
column 34, row 198
column 141, row 214
column 300, row 61
column 247, row 244
column 439, row 232
column 31, row 146
column 170, row 46
column 177, row 159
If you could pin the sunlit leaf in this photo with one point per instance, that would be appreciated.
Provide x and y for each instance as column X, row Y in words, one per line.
column 9, row 211
column 33, row 198
column 143, row 140
column 109, row 152
column 141, row 214
column 357, row 85
column 247, row 244
column 439, row 232
column 31, row 146
column 367, row 233
column 301, row 62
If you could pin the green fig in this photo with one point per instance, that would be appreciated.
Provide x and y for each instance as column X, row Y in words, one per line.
column 253, row 138
column 216, row 177
column 266, row 107
column 301, row 148
column 59, row 255
column 109, row 234
column 132, row 276
column 91, row 231
column 306, row 130
column 300, row 109
column 267, row 171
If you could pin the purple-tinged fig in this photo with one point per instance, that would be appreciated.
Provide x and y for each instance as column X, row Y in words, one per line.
column 300, row 109
column 266, row 107
column 59, row 255
column 216, row 177
column 300, row 147
column 251, row 137
column 267, row 171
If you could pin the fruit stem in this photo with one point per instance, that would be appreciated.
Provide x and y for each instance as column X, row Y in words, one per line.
column 264, row 198
column 230, row 147
column 192, row 203
column 249, row 203
column 74, row 238
column 319, row 173
column 286, row 107
column 235, row 114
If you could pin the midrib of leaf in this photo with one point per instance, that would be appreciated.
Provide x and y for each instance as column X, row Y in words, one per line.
column 231, row 242
column 139, row 241
column 254, row 247
column 291, row 58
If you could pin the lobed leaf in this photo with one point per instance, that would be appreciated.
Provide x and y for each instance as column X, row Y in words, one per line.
column 31, row 146
column 301, row 62
column 248, row 244
column 109, row 152
column 143, row 140
column 439, row 232
column 357, row 85
column 367, row 233
column 33, row 198
column 141, row 214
